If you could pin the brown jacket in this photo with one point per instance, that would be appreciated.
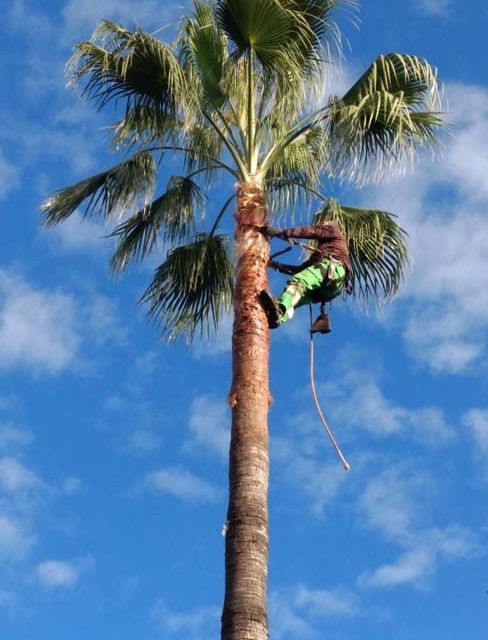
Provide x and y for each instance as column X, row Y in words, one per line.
column 330, row 243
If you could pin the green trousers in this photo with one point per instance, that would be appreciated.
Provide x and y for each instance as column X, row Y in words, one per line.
column 311, row 285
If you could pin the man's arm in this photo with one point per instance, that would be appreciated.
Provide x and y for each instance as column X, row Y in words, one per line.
column 326, row 231
column 289, row 269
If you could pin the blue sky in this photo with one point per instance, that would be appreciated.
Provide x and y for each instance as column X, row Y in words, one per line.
column 113, row 445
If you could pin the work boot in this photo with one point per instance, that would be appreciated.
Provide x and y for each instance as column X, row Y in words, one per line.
column 321, row 325
column 271, row 308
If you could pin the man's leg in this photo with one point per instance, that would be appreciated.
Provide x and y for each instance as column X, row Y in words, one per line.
column 298, row 291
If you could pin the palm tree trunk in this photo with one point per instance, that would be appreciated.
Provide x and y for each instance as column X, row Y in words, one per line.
column 244, row 615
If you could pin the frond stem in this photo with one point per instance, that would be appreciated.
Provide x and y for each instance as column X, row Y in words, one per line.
column 299, row 184
column 232, row 150
column 295, row 132
column 218, row 162
column 251, row 115
column 221, row 213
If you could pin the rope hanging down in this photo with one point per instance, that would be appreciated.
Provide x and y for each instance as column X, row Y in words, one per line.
column 328, row 430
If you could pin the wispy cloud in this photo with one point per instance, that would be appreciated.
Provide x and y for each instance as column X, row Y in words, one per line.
column 357, row 402
column 16, row 539
column 43, row 330
column 9, row 176
column 476, row 420
column 320, row 482
column 81, row 16
column 37, row 326
column 299, row 612
column 63, row 574
column 13, row 437
column 196, row 624
column 210, row 425
column 181, row 484
column 445, row 308
column 434, row 7
column 394, row 504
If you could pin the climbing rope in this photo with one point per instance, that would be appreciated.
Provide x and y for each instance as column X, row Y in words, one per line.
column 328, row 430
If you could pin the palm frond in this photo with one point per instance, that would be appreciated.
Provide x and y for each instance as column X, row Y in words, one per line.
column 324, row 37
column 133, row 66
column 111, row 192
column 193, row 289
column 205, row 47
column 390, row 112
column 377, row 247
column 289, row 193
column 145, row 125
column 307, row 154
column 171, row 217
column 260, row 25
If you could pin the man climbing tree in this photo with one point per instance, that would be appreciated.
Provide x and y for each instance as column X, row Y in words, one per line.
column 321, row 278
column 241, row 90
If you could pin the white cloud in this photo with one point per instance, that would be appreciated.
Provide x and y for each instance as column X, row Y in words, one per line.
column 298, row 612
column 321, row 603
column 417, row 565
column 81, row 16
column 210, row 425
column 434, row 7
column 103, row 320
column 394, row 504
column 16, row 540
column 218, row 343
column 71, row 485
column 182, row 484
column 476, row 420
column 12, row 437
column 42, row 329
column 443, row 309
column 320, row 482
column 63, row 574
column 9, row 176
column 15, row 477
column 37, row 326
column 358, row 402
column 144, row 441
column 79, row 233
column 196, row 624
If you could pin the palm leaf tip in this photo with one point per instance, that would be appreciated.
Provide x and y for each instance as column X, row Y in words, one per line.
column 109, row 193
column 130, row 65
column 377, row 247
column 171, row 217
column 391, row 111
column 193, row 289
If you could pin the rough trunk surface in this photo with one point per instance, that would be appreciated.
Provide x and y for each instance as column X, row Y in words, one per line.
column 244, row 615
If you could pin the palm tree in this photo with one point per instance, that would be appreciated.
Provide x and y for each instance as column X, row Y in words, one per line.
column 234, row 92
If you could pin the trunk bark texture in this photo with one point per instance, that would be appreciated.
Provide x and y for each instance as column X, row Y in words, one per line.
column 244, row 615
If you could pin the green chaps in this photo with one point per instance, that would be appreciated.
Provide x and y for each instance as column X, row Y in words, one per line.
column 312, row 285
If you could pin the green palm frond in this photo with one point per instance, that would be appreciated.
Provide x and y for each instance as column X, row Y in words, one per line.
column 146, row 125
column 170, row 217
column 206, row 48
column 306, row 154
column 203, row 146
column 108, row 193
column 289, row 193
column 193, row 288
column 324, row 37
column 130, row 65
column 386, row 116
column 260, row 25
column 377, row 246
